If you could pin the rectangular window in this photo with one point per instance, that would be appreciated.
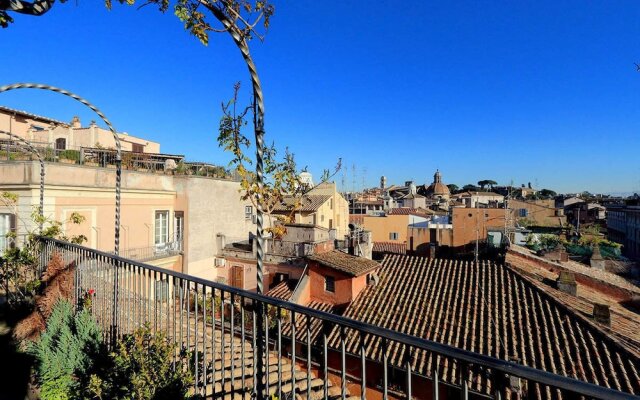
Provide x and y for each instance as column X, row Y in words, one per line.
column 248, row 212
column 161, row 227
column 329, row 284
column 524, row 212
column 178, row 228
column 393, row 236
column 137, row 148
column 7, row 225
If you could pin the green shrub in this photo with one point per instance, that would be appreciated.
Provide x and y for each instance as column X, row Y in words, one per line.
column 70, row 155
column 65, row 352
column 142, row 368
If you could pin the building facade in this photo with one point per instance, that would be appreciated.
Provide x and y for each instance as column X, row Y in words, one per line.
column 167, row 220
column 44, row 131
column 623, row 226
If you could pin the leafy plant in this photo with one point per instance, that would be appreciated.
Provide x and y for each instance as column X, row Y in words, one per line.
column 65, row 351
column 142, row 368
column 18, row 271
column 280, row 175
column 70, row 155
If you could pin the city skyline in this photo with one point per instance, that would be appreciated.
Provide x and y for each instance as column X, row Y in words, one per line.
column 436, row 91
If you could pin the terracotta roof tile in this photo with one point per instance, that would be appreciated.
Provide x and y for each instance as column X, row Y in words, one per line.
column 390, row 247
column 411, row 211
column 489, row 309
column 283, row 290
column 351, row 265
column 308, row 203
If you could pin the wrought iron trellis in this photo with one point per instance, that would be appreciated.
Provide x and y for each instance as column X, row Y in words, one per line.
column 37, row 153
column 93, row 108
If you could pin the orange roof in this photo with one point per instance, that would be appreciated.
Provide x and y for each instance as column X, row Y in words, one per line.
column 351, row 265
column 390, row 247
column 489, row 309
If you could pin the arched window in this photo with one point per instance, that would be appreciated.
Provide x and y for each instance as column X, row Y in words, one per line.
column 61, row 144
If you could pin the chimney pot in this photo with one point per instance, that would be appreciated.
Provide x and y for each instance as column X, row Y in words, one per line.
column 566, row 283
column 602, row 314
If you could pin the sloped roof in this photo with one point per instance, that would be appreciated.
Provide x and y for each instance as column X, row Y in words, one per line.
column 390, row 247
column 413, row 196
column 411, row 211
column 301, row 322
column 283, row 290
column 351, row 265
column 489, row 309
column 308, row 203
column 32, row 116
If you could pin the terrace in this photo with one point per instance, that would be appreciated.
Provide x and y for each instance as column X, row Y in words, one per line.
column 309, row 353
column 156, row 163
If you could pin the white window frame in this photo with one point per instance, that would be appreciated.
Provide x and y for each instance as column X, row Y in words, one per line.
column 161, row 228
column 394, row 235
column 248, row 212
column 6, row 227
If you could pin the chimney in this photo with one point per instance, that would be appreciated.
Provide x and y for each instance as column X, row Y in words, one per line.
column 432, row 250
column 602, row 314
column 75, row 122
column 222, row 242
column 566, row 283
column 597, row 261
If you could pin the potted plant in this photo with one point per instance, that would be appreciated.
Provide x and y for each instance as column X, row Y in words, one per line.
column 69, row 156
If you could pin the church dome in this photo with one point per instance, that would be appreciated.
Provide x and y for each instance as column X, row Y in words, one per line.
column 437, row 188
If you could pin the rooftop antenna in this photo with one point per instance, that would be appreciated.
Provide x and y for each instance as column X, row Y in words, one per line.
column 364, row 178
column 353, row 170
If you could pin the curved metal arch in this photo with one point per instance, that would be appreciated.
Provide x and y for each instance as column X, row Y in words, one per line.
column 37, row 153
column 93, row 108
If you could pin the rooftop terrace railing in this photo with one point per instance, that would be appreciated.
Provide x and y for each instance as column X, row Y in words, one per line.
column 106, row 158
column 154, row 252
column 218, row 322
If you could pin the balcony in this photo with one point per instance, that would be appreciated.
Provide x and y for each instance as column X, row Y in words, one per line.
column 155, row 163
column 302, row 352
column 155, row 252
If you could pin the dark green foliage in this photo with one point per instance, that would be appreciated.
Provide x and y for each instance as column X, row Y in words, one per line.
column 453, row 188
column 65, row 351
column 470, row 188
column 142, row 368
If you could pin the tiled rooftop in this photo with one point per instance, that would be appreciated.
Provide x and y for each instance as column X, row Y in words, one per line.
column 308, row 203
column 283, row 290
column 390, row 247
column 423, row 212
column 488, row 309
column 351, row 265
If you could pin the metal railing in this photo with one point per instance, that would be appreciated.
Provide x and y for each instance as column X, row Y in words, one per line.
column 154, row 252
column 10, row 150
column 218, row 324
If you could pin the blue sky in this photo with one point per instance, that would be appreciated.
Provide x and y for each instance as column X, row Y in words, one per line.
column 543, row 92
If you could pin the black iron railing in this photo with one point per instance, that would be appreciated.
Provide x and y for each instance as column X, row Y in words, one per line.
column 157, row 251
column 218, row 324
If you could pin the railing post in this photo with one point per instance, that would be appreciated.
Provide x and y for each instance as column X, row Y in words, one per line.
column 260, row 350
column 114, row 306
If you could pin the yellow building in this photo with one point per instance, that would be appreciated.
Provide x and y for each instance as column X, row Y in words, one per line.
column 322, row 206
